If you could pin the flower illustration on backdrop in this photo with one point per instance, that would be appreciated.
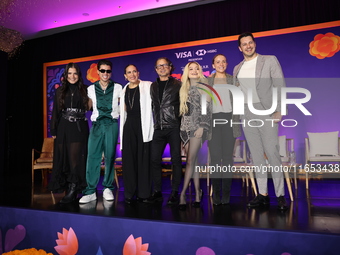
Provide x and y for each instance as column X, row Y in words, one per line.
column 67, row 242
column 205, row 251
column 176, row 76
column 12, row 238
column 31, row 251
column 92, row 74
column 324, row 46
column 134, row 246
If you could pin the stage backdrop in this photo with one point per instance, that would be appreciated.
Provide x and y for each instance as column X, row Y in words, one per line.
column 308, row 55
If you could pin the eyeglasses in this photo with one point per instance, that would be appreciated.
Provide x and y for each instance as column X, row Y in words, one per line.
column 103, row 71
column 160, row 66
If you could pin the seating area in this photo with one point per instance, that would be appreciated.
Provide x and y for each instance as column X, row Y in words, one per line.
column 322, row 154
column 44, row 162
column 321, row 157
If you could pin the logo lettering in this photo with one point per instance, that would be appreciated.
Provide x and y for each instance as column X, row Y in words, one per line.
column 183, row 54
column 201, row 52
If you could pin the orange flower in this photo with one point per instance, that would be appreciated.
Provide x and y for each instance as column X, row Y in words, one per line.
column 92, row 74
column 67, row 242
column 135, row 247
column 324, row 45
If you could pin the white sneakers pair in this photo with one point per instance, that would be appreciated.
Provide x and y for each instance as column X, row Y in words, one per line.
column 107, row 195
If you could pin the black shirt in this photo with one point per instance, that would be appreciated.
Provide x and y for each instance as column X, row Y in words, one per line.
column 132, row 97
column 161, row 86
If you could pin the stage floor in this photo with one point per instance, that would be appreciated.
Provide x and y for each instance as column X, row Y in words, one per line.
column 316, row 210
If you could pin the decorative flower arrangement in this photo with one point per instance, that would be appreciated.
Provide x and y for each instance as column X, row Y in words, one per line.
column 31, row 251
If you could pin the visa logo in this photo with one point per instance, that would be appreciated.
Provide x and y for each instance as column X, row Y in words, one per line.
column 184, row 54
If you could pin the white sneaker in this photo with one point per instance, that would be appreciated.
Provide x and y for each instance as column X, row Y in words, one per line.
column 88, row 198
column 89, row 207
column 107, row 194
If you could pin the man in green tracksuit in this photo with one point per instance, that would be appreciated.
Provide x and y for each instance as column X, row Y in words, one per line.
column 104, row 97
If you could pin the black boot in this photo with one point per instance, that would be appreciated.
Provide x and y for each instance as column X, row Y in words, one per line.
column 71, row 194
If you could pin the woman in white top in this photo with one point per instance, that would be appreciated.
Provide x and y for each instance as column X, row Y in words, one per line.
column 136, row 131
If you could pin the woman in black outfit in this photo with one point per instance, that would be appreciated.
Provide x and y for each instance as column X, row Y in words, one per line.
column 70, row 131
column 136, row 131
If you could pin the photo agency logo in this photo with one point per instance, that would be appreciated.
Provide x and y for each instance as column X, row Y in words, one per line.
column 239, row 103
column 204, row 97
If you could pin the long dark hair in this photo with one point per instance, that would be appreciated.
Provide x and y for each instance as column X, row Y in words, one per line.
column 65, row 86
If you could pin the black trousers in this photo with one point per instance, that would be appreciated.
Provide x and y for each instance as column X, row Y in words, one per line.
column 136, row 160
column 221, row 148
column 159, row 141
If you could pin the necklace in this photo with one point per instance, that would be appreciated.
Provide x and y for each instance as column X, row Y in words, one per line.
column 131, row 102
column 103, row 87
column 72, row 92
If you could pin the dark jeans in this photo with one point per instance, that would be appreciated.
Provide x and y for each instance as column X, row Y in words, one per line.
column 221, row 147
column 159, row 141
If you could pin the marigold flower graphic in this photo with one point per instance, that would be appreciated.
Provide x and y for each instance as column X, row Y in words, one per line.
column 134, row 246
column 92, row 74
column 67, row 242
column 324, row 46
column 31, row 251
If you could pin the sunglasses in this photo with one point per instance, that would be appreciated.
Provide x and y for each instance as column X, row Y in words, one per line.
column 103, row 71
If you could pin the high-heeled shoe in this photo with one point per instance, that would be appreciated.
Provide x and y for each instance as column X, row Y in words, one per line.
column 198, row 204
column 183, row 207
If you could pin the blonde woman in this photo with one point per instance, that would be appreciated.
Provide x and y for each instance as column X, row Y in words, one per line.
column 195, row 127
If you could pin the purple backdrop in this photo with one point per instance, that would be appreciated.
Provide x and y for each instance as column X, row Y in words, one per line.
column 320, row 76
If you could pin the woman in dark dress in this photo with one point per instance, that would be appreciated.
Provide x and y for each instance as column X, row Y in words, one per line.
column 70, row 131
